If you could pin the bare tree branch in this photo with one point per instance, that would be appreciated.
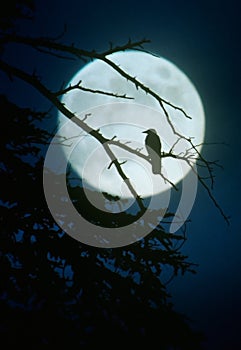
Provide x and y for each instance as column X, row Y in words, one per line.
column 35, row 82
column 79, row 53
column 143, row 87
column 201, row 180
column 128, row 46
column 71, row 50
column 78, row 86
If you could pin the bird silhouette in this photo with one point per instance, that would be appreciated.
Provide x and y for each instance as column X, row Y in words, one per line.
column 153, row 147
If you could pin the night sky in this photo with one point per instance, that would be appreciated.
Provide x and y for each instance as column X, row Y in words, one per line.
column 203, row 39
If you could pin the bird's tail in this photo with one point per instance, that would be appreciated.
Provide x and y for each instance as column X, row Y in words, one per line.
column 156, row 167
column 155, row 161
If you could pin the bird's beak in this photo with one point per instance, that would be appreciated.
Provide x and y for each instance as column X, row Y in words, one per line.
column 144, row 132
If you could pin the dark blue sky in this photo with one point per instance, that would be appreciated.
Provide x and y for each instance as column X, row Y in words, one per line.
column 203, row 39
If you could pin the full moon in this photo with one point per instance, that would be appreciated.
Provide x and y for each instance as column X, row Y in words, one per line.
column 126, row 119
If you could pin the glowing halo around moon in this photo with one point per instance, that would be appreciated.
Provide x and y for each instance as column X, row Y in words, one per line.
column 124, row 120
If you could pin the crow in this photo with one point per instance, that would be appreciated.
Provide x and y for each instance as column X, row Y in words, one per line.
column 153, row 146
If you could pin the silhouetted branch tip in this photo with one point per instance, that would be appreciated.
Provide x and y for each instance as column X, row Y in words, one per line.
column 110, row 165
column 86, row 116
column 124, row 161
column 78, row 86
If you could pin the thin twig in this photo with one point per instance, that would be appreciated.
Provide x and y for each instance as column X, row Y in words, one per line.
column 78, row 86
